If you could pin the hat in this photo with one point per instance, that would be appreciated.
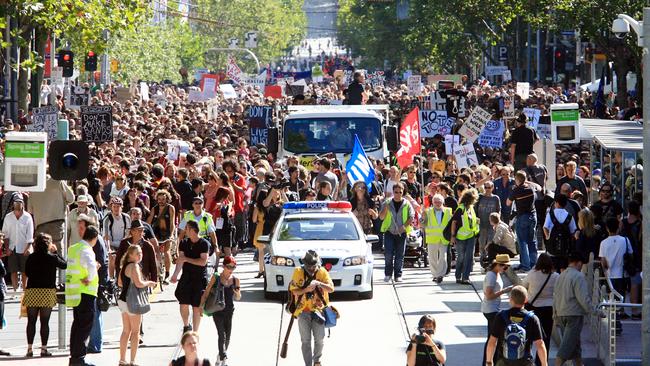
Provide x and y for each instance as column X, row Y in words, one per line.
column 229, row 259
column 137, row 224
column 82, row 198
column 502, row 259
column 19, row 198
column 311, row 258
column 115, row 200
column 197, row 198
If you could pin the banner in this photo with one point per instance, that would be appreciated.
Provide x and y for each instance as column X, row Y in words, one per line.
column 472, row 128
column 450, row 142
column 409, row 139
column 415, row 85
column 44, row 119
column 228, row 91
column 376, row 78
column 97, row 123
column 432, row 80
column 508, row 107
column 233, row 71
column 294, row 75
column 533, row 117
column 260, row 118
column 465, row 156
column 438, row 101
column 435, row 122
column 257, row 81
column 523, row 90
column 492, row 134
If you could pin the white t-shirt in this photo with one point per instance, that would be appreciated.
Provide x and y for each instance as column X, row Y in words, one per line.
column 560, row 215
column 612, row 249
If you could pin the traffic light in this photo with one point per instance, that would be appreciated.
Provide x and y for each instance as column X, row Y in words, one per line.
column 560, row 60
column 68, row 160
column 91, row 61
column 66, row 61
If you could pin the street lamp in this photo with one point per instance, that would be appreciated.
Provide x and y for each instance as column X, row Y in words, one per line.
column 620, row 27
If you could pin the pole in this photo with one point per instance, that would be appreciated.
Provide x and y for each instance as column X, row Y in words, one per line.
column 539, row 55
column 529, row 53
column 62, row 308
column 52, row 58
column 578, row 62
column 554, row 49
column 645, row 324
column 257, row 62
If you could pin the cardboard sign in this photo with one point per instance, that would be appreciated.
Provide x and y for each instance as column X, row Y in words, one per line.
column 435, row 122
column 450, row 142
column 533, row 117
column 472, row 128
column 415, row 85
column 209, row 82
column 508, row 107
column 465, row 156
column 492, row 134
column 228, row 91
column 523, row 90
column 97, row 123
column 260, row 118
column 44, row 119
column 273, row 91
column 438, row 101
column 122, row 94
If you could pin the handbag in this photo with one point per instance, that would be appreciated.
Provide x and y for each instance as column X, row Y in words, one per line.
column 529, row 305
column 329, row 314
column 216, row 300
column 137, row 299
column 628, row 261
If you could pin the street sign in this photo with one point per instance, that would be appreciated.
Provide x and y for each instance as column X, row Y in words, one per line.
column 250, row 41
column 503, row 53
column 233, row 43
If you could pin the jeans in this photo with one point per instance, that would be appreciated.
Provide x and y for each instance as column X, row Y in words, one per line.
column 394, row 247
column 525, row 230
column 223, row 322
column 465, row 259
column 308, row 327
column 83, row 316
column 95, row 341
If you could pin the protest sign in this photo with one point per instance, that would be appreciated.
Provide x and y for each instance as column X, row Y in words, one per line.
column 495, row 70
column 97, row 123
column 175, row 148
column 44, row 119
column 79, row 97
column 432, row 80
column 465, row 156
column 533, row 117
column 376, row 78
column 435, row 122
column 122, row 94
column 507, row 75
column 233, row 71
column 492, row 134
column 228, row 91
column 213, row 109
column 260, row 118
column 144, row 91
column 257, row 81
column 209, row 82
column 472, row 128
column 438, row 101
column 415, row 85
column 57, row 77
column 198, row 73
column 508, row 107
column 160, row 100
column 523, row 90
column 273, row 91
column 196, row 96
column 450, row 142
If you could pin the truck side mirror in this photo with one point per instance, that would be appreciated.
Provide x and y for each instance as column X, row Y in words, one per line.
column 392, row 138
column 272, row 140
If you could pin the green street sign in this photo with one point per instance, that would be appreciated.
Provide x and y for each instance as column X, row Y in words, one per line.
column 25, row 150
column 569, row 115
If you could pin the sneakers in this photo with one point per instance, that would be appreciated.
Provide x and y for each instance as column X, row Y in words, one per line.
column 222, row 361
column 399, row 279
column 387, row 279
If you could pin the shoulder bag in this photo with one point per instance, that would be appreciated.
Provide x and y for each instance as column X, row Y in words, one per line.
column 216, row 300
column 628, row 260
column 137, row 299
column 329, row 312
column 529, row 305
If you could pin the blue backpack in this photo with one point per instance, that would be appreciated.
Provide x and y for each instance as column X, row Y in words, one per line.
column 514, row 336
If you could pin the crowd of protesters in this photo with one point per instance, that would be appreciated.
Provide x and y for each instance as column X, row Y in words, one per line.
column 159, row 207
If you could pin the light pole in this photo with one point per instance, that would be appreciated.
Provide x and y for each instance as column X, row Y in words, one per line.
column 620, row 27
column 257, row 62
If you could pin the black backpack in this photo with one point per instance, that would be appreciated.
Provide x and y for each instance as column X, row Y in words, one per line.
column 560, row 241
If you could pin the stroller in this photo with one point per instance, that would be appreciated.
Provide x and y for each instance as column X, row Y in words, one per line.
column 415, row 252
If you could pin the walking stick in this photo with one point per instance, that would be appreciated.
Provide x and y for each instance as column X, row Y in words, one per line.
column 285, row 344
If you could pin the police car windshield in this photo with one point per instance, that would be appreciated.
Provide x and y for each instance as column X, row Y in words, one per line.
column 335, row 228
column 319, row 135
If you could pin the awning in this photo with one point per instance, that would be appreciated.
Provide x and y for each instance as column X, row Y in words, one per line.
column 613, row 134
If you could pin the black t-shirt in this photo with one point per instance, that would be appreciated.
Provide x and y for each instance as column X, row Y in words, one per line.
column 524, row 198
column 532, row 327
column 414, row 189
column 576, row 183
column 537, row 174
column 609, row 209
column 184, row 189
column 194, row 251
column 451, row 202
column 424, row 354
column 354, row 93
column 523, row 137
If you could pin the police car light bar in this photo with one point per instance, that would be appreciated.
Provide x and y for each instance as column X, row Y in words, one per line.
column 318, row 205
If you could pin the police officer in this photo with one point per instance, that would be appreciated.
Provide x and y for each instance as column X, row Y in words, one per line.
column 81, row 283
column 396, row 215
column 435, row 219
column 207, row 229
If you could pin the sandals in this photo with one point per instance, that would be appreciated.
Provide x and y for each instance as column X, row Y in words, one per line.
column 259, row 275
column 45, row 353
column 29, row 353
column 123, row 363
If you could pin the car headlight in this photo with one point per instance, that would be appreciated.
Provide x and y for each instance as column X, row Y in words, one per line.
column 277, row 260
column 354, row 261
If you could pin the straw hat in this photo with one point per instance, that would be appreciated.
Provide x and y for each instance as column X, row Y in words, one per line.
column 502, row 259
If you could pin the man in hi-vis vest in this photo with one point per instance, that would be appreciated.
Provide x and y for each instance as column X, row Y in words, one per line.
column 434, row 221
column 397, row 215
column 81, row 283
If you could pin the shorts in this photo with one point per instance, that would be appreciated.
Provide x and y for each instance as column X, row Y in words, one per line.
column 16, row 263
column 189, row 292
column 54, row 228
column 636, row 279
column 124, row 308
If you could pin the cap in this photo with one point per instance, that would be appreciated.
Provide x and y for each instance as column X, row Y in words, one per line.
column 197, row 198
column 19, row 198
column 229, row 259
column 82, row 198
column 115, row 200
column 136, row 224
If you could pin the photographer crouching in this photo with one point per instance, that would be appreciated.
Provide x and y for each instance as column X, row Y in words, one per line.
column 311, row 285
column 423, row 350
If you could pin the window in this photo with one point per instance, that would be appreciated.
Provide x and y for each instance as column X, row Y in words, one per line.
column 321, row 135
column 298, row 229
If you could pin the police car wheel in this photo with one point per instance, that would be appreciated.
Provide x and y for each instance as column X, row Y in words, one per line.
column 368, row 294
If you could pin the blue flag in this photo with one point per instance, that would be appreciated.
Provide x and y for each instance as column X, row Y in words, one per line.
column 359, row 167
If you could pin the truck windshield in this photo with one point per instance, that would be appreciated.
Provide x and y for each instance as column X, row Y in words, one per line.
column 322, row 135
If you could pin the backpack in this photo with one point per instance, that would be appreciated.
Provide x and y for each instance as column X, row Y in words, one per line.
column 111, row 221
column 514, row 336
column 560, row 240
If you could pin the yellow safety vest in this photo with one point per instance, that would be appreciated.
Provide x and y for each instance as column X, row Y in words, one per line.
column 433, row 229
column 75, row 273
column 470, row 224
column 204, row 223
column 385, row 225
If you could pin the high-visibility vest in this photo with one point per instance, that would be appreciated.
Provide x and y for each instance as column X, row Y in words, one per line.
column 74, row 273
column 433, row 229
column 385, row 224
column 204, row 222
column 470, row 224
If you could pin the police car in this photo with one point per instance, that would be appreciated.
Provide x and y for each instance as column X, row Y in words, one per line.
column 329, row 228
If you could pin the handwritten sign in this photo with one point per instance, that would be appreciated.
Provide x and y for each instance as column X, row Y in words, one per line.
column 44, row 119
column 260, row 119
column 438, row 101
column 465, row 156
column 508, row 107
column 450, row 142
column 492, row 134
column 97, row 123
column 533, row 117
column 435, row 122
column 79, row 97
column 472, row 128
column 523, row 90
column 415, row 85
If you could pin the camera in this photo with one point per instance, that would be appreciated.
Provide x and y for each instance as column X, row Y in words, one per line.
column 420, row 339
column 620, row 28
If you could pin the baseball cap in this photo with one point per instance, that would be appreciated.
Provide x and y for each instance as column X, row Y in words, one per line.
column 197, row 198
column 136, row 224
column 82, row 198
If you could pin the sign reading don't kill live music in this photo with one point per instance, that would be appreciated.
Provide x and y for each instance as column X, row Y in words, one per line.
column 97, row 123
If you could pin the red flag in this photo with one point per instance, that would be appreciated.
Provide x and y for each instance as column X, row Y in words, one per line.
column 409, row 138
